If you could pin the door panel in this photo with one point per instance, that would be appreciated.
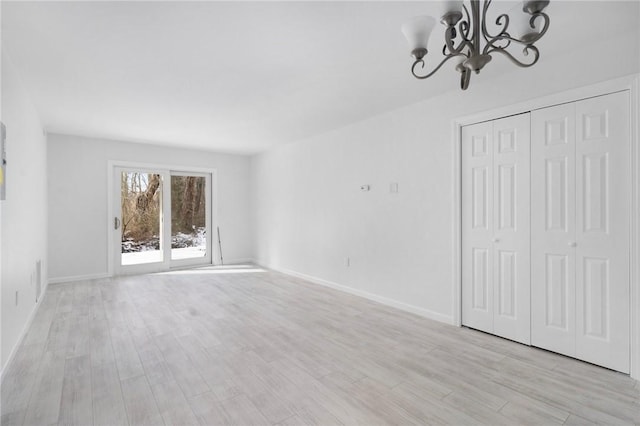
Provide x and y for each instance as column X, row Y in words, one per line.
column 477, row 227
column 480, row 197
column 511, row 228
column 556, row 194
column 139, row 199
column 595, row 194
column 495, row 228
column 480, row 277
column 556, row 292
column 507, row 284
column 190, row 218
column 602, row 231
column 553, row 228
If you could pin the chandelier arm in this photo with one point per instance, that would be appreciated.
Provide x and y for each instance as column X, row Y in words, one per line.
column 485, row 32
column 502, row 20
column 464, row 25
column 491, row 44
column 502, row 35
column 463, row 29
column 545, row 27
column 485, row 6
column 449, row 40
column 421, row 63
column 525, row 51
column 466, row 13
column 476, row 26
column 527, row 42
column 450, row 46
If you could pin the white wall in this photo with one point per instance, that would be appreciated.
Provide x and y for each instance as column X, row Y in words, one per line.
column 309, row 213
column 78, row 199
column 24, row 212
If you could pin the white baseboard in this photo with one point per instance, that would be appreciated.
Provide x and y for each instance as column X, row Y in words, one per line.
column 23, row 334
column 59, row 280
column 74, row 278
column 426, row 313
column 240, row 260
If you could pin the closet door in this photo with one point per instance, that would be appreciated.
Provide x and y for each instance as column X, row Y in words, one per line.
column 511, row 239
column 580, row 230
column 602, row 231
column 553, row 228
column 477, row 226
column 495, row 228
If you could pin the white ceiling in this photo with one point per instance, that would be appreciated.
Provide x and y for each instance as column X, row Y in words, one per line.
column 240, row 76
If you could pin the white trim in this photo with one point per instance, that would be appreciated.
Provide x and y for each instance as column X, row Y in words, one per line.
column 213, row 215
column 23, row 334
column 457, row 226
column 73, row 278
column 629, row 83
column 598, row 89
column 436, row 316
column 634, row 158
column 238, row 261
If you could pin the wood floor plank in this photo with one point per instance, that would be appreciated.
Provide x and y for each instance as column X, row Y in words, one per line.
column 174, row 408
column 531, row 414
column 156, row 368
column 241, row 345
column 241, row 411
column 76, row 406
column 14, row 418
column 574, row 420
column 108, row 404
column 100, row 347
column 125, row 353
column 139, row 402
column 20, row 378
column 44, row 404
column 208, row 410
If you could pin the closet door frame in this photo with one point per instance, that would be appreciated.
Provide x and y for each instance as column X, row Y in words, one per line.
column 629, row 83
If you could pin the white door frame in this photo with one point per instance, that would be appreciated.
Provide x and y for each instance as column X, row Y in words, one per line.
column 629, row 83
column 111, row 208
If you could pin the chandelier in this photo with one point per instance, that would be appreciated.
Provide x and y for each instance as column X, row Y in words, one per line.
column 466, row 33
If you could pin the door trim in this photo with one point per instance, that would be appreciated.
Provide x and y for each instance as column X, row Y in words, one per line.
column 212, row 193
column 629, row 83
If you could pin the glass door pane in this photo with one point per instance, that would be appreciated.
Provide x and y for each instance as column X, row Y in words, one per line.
column 141, row 217
column 188, row 217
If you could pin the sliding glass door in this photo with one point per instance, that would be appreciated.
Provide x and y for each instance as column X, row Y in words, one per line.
column 188, row 216
column 162, row 219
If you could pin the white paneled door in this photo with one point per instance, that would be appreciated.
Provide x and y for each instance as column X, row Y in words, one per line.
column 580, row 230
column 477, row 226
column 553, row 172
column 495, row 228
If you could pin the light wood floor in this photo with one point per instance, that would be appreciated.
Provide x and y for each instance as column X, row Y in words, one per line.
column 251, row 347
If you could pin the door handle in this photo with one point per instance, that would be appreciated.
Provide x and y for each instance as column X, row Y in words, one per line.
column 116, row 223
column 572, row 244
